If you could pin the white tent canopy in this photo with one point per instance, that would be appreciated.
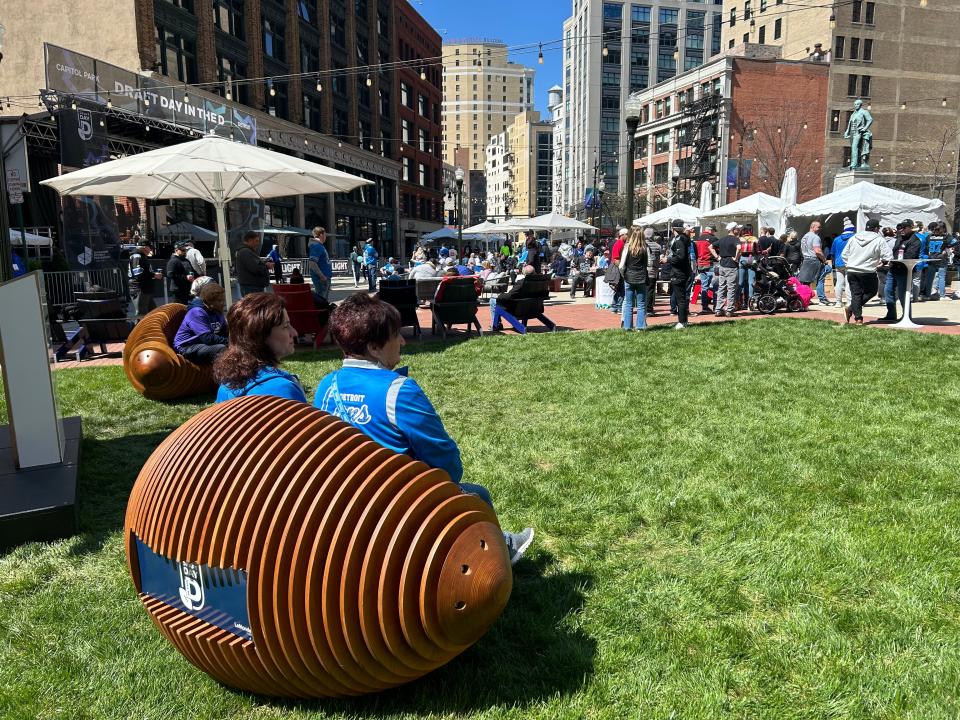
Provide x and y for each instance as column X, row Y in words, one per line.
column 486, row 228
column 677, row 211
column 213, row 169
column 765, row 210
column 870, row 201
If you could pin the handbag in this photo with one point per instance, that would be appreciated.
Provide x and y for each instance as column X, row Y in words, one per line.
column 612, row 276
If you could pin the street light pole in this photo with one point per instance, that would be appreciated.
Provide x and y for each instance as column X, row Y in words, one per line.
column 458, row 176
column 601, row 187
column 632, row 122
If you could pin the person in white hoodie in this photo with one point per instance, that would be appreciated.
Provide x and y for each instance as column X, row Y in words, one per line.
column 862, row 255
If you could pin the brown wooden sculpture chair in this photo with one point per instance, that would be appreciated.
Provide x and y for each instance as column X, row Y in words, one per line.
column 285, row 553
column 153, row 367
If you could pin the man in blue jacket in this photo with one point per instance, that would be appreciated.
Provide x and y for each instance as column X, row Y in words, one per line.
column 839, row 267
column 384, row 403
column 370, row 256
column 321, row 271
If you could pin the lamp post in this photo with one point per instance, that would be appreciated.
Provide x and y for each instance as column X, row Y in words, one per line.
column 674, row 181
column 747, row 130
column 632, row 122
column 458, row 176
column 601, row 187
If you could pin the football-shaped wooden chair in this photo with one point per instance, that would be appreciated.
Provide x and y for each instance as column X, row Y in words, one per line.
column 286, row 554
column 153, row 367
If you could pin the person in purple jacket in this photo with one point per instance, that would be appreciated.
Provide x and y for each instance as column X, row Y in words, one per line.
column 203, row 333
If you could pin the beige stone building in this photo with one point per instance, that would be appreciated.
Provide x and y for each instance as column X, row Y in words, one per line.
column 900, row 58
column 530, row 149
column 482, row 92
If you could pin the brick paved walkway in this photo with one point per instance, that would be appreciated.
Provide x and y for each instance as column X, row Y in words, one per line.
column 575, row 315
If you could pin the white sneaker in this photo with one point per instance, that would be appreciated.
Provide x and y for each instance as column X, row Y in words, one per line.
column 679, row 326
column 517, row 543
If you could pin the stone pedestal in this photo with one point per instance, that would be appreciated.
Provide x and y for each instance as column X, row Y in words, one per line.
column 847, row 177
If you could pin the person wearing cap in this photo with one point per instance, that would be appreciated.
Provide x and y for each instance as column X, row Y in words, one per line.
column 839, row 264
column 906, row 247
column 180, row 273
column 680, row 275
column 196, row 260
column 203, row 332
column 195, row 288
column 726, row 251
column 143, row 278
column 862, row 254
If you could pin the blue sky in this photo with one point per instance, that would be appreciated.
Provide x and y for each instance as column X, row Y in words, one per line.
column 515, row 22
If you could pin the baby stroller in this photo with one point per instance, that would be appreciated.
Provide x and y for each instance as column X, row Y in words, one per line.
column 772, row 290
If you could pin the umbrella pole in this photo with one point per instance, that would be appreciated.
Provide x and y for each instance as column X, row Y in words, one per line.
column 223, row 249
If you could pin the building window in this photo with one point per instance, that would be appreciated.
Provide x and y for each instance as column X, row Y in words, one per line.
column 865, row 86
column 228, row 17
column 669, row 16
column 182, row 4
column 273, row 44
column 852, row 85
column 871, row 7
column 406, row 132
column 746, row 10
column 309, row 57
column 857, row 10
column 660, row 173
column 612, row 11
column 640, row 13
column 762, row 35
column 423, row 140
column 177, row 55
column 839, row 49
column 338, row 31
column 661, row 142
column 278, row 104
column 422, row 106
column 406, row 95
column 306, row 11
column 854, row 48
column 311, row 112
column 423, row 174
column 867, row 50
column 835, row 121
column 407, row 163
column 777, row 29
column 232, row 71
column 733, row 16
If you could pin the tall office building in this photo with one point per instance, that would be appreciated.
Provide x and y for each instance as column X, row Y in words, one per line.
column 611, row 49
column 899, row 56
column 559, row 120
column 482, row 92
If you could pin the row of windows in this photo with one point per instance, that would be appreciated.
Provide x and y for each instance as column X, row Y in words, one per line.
column 748, row 10
column 859, row 49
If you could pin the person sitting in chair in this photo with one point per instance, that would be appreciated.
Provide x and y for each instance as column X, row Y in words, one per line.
column 203, row 333
column 260, row 337
column 386, row 405
column 585, row 274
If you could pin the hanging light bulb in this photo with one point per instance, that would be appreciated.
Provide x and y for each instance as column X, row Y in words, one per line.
column 73, row 104
column 229, row 91
column 869, row 106
column 605, row 51
column 101, row 122
column 269, row 136
column 943, row 102
column 369, row 80
column 423, row 73
column 305, row 142
column 753, row 24
column 146, row 101
column 903, row 106
column 146, row 127
column 676, row 54
column 833, row 20
column 231, row 135
column 804, row 125
column 186, row 96
column 273, row 90
column 109, row 102
column 540, row 56
column 319, row 84
column 339, row 144
column 779, row 130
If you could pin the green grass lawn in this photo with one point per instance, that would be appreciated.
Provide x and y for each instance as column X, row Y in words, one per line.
column 744, row 520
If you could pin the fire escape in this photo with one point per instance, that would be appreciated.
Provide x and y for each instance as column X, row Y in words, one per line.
column 701, row 119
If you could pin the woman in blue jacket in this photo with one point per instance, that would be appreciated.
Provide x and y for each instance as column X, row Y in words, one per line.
column 260, row 337
column 384, row 403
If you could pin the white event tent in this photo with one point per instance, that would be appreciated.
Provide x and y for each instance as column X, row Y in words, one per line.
column 678, row 211
column 864, row 201
column 761, row 209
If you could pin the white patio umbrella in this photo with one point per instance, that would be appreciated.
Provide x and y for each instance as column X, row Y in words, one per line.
column 485, row 228
column 213, row 169
column 677, row 211
column 551, row 221
column 788, row 197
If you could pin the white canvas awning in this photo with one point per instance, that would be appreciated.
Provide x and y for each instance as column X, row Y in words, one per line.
column 32, row 240
column 870, row 201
